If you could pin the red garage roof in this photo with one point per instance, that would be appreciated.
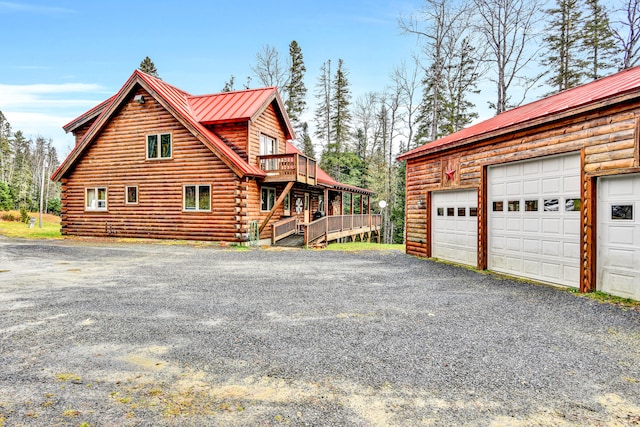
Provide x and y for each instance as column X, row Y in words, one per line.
column 546, row 109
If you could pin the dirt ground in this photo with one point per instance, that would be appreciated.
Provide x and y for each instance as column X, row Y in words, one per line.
column 103, row 333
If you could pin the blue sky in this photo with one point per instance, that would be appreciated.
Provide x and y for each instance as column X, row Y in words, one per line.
column 60, row 58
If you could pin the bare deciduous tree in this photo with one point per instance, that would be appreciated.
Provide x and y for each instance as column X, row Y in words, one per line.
column 510, row 29
column 270, row 69
column 626, row 31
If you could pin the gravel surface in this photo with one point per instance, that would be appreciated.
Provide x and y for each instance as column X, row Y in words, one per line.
column 140, row 334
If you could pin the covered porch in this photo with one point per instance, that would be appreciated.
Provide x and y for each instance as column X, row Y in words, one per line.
column 333, row 214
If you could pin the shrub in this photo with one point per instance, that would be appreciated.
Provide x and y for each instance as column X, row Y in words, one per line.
column 24, row 215
column 8, row 216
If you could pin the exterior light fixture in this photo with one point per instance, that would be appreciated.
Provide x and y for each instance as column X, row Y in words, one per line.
column 139, row 99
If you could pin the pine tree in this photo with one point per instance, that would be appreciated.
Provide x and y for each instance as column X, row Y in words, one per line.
column 563, row 45
column 147, row 66
column 323, row 109
column 229, row 85
column 598, row 43
column 296, row 90
column 340, row 104
column 461, row 80
column 306, row 145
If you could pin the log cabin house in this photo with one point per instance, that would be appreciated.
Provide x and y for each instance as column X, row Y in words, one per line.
column 548, row 191
column 153, row 161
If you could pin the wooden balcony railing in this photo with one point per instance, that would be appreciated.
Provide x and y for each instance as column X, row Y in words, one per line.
column 289, row 167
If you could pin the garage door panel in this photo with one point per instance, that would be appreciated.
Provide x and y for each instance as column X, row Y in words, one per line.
column 551, row 225
column 541, row 236
column 571, row 250
column 514, row 224
column 618, row 255
column 531, row 225
column 455, row 236
column 550, row 248
column 551, row 186
column 531, row 246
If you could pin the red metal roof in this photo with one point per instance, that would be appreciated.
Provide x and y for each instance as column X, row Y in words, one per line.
column 231, row 106
column 82, row 119
column 621, row 83
column 176, row 100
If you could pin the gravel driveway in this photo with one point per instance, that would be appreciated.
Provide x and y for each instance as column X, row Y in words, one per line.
column 138, row 334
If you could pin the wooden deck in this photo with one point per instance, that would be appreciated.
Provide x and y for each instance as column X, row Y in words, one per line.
column 329, row 228
column 289, row 167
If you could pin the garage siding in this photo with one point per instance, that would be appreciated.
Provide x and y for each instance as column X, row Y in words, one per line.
column 606, row 137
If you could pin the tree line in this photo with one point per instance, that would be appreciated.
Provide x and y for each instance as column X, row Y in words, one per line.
column 514, row 45
column 25, row 168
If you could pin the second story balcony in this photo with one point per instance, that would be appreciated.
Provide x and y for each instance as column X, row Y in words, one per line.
column 289, row 167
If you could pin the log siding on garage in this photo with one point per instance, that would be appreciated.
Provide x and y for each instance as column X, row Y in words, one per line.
column 606, row 137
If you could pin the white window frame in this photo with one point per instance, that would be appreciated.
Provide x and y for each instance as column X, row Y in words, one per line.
column 268, row 145
column 95, row 204
column 159, row 146
column 269, row 190
column 126, row 195
column 197, row 198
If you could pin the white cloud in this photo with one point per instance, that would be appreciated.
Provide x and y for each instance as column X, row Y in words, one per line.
column 42, row 109
column 32, row 8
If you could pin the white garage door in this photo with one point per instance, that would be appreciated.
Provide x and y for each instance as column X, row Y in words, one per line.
column 618, row 255
column 454, row 226
column 534, row 219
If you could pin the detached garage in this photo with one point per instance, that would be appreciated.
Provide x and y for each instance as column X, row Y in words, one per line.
column 548, row 191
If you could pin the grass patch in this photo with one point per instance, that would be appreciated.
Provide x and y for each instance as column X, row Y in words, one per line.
column 363, row 246
column 605, row 298
column 50, row 227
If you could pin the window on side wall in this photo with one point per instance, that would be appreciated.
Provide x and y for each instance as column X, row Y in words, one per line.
column 132, row 195
column 267, row 198
column 96, row 199
column 197, row 198
column 159, row 146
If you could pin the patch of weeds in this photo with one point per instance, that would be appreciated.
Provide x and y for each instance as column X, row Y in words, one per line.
column 84, row 425
column 46, row 404
column 156, row 391
column 605, row 298
column 71, row 413
column 67, row 376
column 124, row 400
column 2, row 420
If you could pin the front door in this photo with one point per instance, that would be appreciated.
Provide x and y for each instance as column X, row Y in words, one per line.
column 307, row 217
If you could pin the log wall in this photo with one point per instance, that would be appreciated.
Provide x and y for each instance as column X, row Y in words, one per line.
column 117, row 158
column 607, row 138
column 269, row 124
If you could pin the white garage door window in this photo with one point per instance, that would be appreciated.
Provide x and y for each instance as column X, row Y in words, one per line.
column 534, row 219
column 618, row 255
column 455, row 226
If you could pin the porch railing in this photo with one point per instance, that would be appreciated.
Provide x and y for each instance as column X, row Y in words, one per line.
column 289, row 167
column 283, row 228
column 336, row 226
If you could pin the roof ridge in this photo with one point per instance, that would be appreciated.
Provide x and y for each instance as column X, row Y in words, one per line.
column 258, row 89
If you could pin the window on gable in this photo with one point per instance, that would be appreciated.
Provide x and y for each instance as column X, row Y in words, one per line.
column 197, row 198
column 267, row 198
column 159, row 146
column 268, row 145
column 96, row 199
